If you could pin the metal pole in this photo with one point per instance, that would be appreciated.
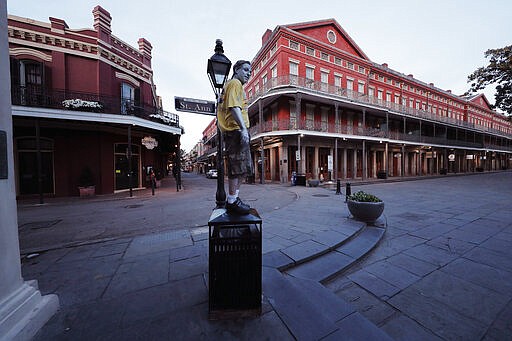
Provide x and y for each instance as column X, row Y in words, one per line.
column 130, row 184
column 220, row 195
column 262, row 163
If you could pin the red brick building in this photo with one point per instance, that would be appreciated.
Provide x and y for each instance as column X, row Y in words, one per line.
column 83, row 99
column 319, row 106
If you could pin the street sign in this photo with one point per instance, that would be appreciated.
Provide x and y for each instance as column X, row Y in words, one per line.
column 297, row 155
column 196, row 106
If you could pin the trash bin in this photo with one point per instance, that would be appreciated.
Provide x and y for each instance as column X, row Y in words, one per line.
column 301, row 180
column 234, row 265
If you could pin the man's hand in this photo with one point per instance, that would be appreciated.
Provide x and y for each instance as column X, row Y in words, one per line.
column 244, row 136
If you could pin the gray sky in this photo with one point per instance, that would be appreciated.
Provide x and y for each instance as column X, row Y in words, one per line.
column 438, row 41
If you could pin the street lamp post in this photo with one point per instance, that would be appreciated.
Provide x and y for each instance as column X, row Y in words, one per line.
column 218, row 70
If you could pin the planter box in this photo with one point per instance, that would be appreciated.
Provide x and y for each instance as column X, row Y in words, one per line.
column 365, row 211
column 88, row 191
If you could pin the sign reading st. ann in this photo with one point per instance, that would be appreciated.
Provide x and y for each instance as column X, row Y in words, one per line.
column 197, row 106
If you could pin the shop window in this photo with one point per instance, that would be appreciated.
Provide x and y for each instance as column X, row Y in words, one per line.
column 28, row 165
column 122, row 166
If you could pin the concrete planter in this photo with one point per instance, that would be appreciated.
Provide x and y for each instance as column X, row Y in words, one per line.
column 365, row 211
column 313, row 182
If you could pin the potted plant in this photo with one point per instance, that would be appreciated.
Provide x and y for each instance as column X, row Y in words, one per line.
column 365, row 207
column 86, row 185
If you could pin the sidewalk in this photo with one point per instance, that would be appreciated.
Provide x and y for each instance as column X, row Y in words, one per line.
column 142, row 273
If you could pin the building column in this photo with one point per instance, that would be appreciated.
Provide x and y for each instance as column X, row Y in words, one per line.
column 335, row 161
column 354, row 164
column 23, row 311
column 303, row 159
column 363, row 173
column 387, row 159
column 344, row 163
column 374, row 164
column 316, row 170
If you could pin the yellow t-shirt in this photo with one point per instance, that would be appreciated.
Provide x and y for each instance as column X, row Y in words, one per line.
column 233, row 96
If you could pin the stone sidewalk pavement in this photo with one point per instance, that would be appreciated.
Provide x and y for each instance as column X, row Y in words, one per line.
column 441, row 271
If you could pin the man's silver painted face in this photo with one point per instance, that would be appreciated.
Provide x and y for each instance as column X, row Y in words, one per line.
column 244, row 73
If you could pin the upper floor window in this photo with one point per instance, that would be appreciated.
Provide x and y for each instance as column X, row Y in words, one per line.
column 379, row 94
column 360, row 87
column 27, row 81
column 273, row 49
column 350, row 65
column 294, row 45
column 337, row 80
column 130, row 98
column 324, row 56
column 274, row 71
column 294, row 68
column 350, row 84
column 361, row 69
column 337, row 60
column 264, row 80
column 324, row 77
column 310, row 51
column 310, row 73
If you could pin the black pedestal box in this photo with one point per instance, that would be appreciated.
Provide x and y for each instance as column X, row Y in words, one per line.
column 234, row 265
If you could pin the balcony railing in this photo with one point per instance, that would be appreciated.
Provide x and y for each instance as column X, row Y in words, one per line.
column 315, row 126
column 83, row 101
column 357, row 97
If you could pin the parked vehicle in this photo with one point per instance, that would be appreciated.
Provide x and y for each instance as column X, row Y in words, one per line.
column 211, row 174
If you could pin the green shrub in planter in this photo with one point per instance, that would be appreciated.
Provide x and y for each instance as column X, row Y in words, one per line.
column 363, row 197
column 365, row 207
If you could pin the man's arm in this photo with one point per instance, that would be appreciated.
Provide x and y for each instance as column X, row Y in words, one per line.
column 236, row 112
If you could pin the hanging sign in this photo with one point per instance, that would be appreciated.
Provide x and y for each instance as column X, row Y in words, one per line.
column 329, row 163
column 149, row 142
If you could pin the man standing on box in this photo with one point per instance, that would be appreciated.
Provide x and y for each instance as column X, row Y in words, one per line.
column 233, row 121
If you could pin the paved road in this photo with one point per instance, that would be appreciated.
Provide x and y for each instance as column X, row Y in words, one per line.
column 136, row 268
column 71, row 221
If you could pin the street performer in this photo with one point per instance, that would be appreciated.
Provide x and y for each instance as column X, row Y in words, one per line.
column 233, row 121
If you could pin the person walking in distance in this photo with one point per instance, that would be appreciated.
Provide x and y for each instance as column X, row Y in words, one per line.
column 233, row 121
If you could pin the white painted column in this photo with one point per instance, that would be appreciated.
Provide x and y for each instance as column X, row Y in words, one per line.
column 22, row 308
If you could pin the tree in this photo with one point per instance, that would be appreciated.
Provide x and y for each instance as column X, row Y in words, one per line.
column 499, row 71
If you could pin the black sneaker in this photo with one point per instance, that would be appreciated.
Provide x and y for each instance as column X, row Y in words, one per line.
column 238, row 207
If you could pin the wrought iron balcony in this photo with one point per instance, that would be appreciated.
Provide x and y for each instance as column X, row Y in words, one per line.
column 363, row 99
column 90, row 102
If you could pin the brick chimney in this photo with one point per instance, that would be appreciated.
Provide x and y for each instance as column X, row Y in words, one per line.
column 102, row 20
column 145, row 48
column 266, row 36
column 58, row 25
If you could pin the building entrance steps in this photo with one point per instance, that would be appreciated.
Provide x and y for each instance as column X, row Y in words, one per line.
column 327, row 266
column 312, row 312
